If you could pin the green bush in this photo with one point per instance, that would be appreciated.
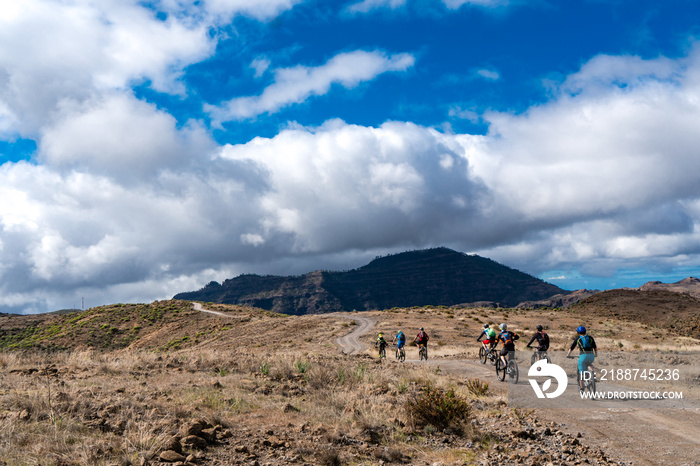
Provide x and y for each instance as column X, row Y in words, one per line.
column 432, row 406
column 477, row 387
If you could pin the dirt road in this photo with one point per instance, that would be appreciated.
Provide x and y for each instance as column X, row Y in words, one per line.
column 639, row 435
column 350, row 343
column 198, row 307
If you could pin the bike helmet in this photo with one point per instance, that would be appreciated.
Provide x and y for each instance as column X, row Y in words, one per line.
column 503, row 327
column 581, row 330
column 486, row 325
column 381, row 335
column 421, row 328
column 539, row 328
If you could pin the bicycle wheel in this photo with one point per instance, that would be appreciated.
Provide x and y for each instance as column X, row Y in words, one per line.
column 514, row 374
column 500, row 370
column 548, row 359
column 492, row 357
column 482, row 355
column 382, row 353
column 590, row 383
column 533, row 359
column 398, row 354
column 402, row 356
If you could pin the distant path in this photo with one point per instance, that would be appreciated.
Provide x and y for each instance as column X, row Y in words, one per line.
column 350, row 343
column 198, row 307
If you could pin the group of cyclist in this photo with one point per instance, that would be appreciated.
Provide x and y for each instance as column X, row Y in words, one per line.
column 399, row 339
column 489, row 339
column 588, row 349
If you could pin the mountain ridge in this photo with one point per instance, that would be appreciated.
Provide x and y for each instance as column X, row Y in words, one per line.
column 437, row 276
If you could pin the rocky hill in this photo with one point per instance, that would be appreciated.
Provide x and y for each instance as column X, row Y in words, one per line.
column 676, row 312
column 689, row 286
column 437, row 276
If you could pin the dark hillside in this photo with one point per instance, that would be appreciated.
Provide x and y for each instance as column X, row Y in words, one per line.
column 437, row 276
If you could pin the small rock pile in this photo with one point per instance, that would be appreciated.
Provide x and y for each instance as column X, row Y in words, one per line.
column 188, row 448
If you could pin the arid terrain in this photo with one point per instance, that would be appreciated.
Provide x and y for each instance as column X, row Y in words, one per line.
column 168, row 383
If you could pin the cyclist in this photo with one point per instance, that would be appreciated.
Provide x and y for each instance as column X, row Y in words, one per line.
column 400, row 340
column 422, row 339
column 490, row 341
column 588, row 352
column 381, row 343
column 542, row 340
column 508, row 339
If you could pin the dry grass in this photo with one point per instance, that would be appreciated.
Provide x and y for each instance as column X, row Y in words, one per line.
column 254, row 376
column 92, row 408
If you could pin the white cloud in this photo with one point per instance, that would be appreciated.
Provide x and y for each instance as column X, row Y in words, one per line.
column 120, row 136
column 260, row 65
column 295, row 85
column 456, row 4
column 341, row 184
column 489, row 74
column 51, row 51
column 366, row 6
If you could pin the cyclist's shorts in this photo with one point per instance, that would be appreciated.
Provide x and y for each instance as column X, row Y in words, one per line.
column 584, row 360
column 400, row 344
column 486, row 342
column 542, row 348
column 505, row 351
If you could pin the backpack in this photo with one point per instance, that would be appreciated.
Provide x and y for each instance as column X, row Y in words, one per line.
column 586, row 343
column 401, row 337
column 490, row 333
column 545, row 340
column 508, row 338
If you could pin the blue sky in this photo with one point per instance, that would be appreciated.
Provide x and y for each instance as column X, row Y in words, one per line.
column 147, row 148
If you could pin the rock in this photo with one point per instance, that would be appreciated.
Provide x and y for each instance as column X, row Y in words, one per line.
column 209, row 434
column 171, row 456
column 193, row 441
column 289, row 408
column 24, row 415
column 194, row 428
column 173, row 444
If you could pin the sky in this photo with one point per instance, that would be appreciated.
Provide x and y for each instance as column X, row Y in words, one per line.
column 150, row 147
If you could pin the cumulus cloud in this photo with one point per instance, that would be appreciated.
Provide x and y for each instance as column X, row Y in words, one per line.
column 294, row 85
column 120, row 136
column 341, row 186
column 53, row 51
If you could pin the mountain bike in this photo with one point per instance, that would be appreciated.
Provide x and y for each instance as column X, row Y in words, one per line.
column 487, row 354
column 423, row 352
column 401, row 354
column 537, row 355
column 382, row 350
column 589, row 381
column 511, row 369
